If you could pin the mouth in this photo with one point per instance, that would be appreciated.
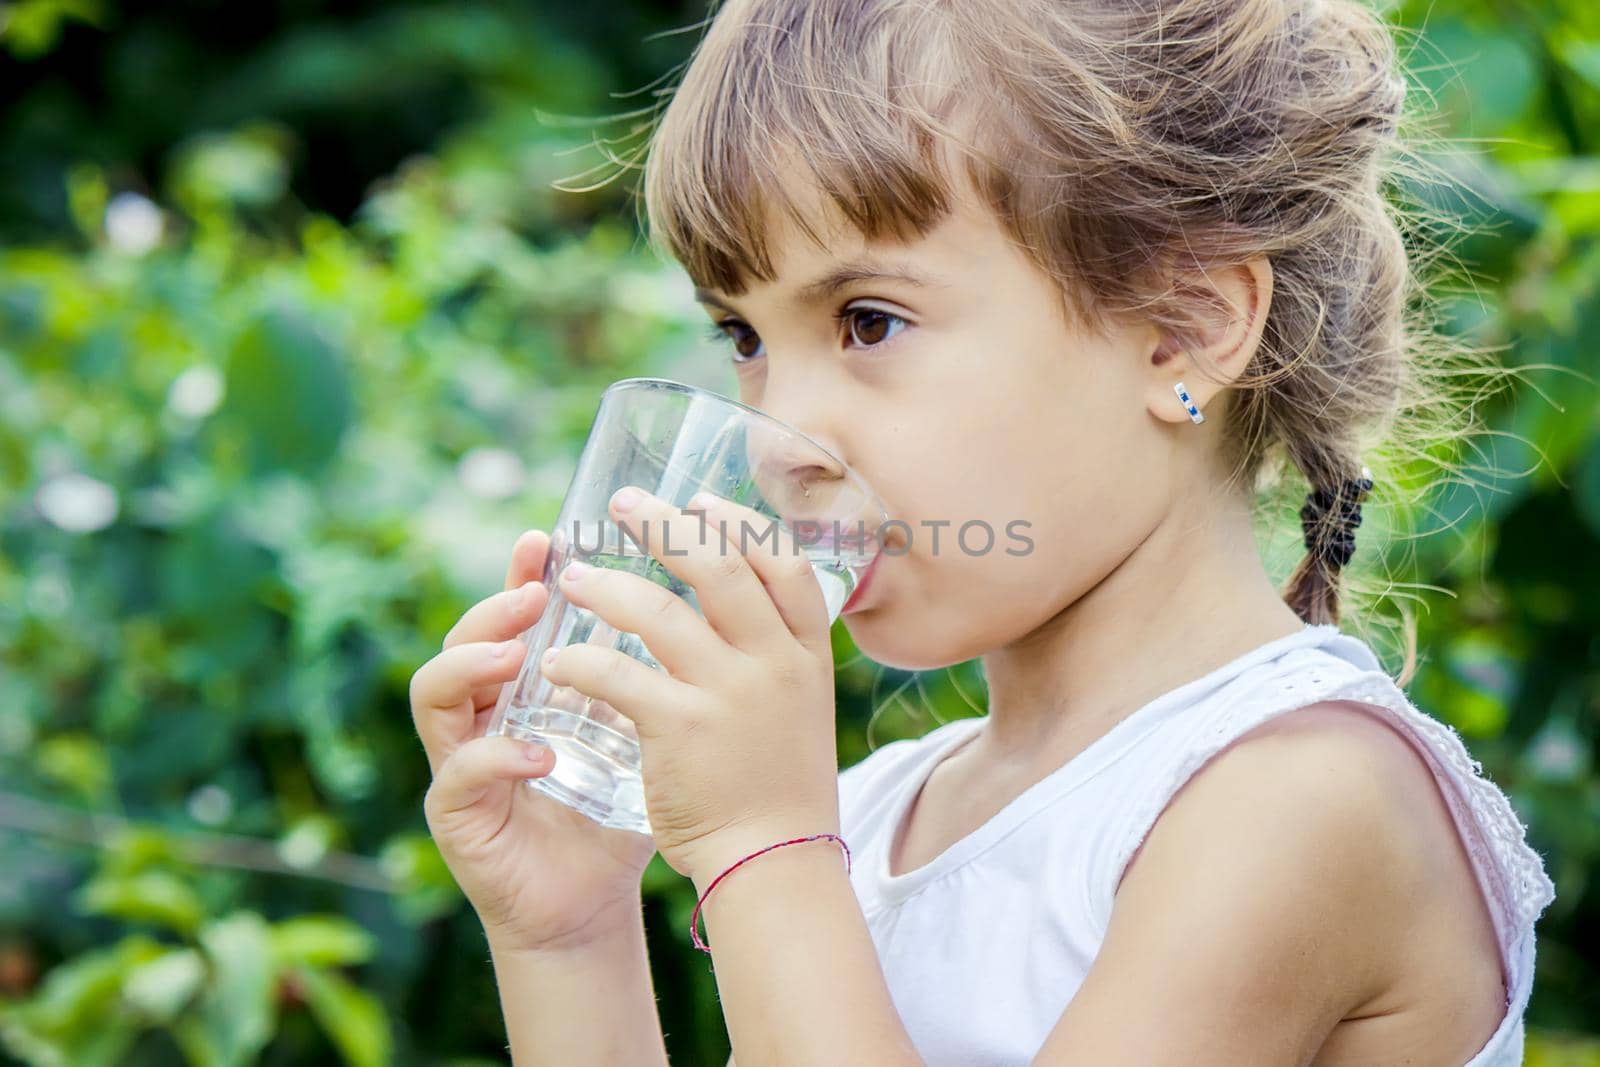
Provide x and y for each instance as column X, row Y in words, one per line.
column 858, row 594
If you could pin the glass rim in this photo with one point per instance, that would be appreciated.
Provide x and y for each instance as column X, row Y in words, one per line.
column 623, row 384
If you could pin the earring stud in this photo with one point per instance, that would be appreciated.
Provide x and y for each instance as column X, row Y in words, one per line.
column 1194, row 412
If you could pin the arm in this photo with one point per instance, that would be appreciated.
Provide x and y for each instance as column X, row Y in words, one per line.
column 796, row 969
column 1271, row 900
column 588, row 1004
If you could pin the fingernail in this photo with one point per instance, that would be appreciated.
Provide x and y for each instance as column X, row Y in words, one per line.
column 532, row 752
column 626, row 498
column 576, row 569
column 701, row 501
column 549, row 657
column 505, row 648
column 519, row 598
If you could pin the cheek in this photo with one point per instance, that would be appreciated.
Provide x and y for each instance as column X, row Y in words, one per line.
column 1048, row 504
column 1034, row 542
column 965, row 496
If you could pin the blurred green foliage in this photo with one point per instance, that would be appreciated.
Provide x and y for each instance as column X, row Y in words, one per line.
column 295, row 337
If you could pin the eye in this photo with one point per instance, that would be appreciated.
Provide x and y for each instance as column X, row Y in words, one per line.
column 871, row 327
column 743, row 339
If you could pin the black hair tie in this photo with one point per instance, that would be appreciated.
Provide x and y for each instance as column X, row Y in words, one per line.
column 1337, row 547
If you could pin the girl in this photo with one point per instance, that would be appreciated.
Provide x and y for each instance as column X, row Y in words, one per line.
column 1102, row 268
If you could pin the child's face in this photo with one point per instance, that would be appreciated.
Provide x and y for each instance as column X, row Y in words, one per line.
column 966, row 400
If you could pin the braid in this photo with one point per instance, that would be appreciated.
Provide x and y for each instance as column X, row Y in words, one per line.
column 1329, row 518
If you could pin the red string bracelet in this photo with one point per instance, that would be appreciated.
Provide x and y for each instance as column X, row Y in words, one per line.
column 694, row 921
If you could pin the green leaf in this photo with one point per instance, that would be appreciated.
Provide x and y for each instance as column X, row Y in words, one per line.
column 163, row 986
column 86, row 197
column 136, row 848
column 1550, row 1049
column 1485, row 80
column 79, row 762
column 308, row 840
column 321, row 941
column 427, row 888
column 75, row 1018
column 153, row 896
column 31, row 28
column 248, row 166
column 350, row 1015
column 287, row 393
column 238, row 1011
column 1473, row 684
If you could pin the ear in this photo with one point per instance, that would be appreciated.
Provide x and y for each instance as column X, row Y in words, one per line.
column 1233, row 302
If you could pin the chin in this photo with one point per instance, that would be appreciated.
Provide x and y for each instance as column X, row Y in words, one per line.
column 900, row 647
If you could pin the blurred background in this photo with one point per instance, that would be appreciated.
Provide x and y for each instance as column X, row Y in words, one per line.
column 296, row 336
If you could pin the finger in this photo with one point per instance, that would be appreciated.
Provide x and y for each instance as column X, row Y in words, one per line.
column 500, row 617
column 442, row 705
column 482, row 773
column 653, row 701
column 730, row 595
column 783, row 565
column 528, row 556
column 676, row 635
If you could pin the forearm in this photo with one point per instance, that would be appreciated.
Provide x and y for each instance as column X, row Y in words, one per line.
column 594, row 1004
column 796, row 969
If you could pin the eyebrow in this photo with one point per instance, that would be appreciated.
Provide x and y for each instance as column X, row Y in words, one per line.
column 836, row 279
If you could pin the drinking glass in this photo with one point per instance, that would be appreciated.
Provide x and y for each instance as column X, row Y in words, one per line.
column 672, row 440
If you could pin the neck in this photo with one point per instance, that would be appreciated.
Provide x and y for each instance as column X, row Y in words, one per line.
column 1190, row 597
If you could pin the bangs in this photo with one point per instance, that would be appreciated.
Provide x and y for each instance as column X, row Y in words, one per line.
column 785, row 103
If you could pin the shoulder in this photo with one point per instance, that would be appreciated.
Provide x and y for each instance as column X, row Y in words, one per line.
column 1284, row 871
column 1291, row 866
column 1326, row 807
column 1334, row 768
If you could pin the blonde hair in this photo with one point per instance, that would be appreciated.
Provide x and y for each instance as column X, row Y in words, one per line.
column 1122, row 144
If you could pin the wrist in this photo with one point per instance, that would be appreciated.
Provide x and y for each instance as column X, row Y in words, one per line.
column 579, row 1001
column 619, row 923
column 710, row 855
column 787, row 879
column 769, row 851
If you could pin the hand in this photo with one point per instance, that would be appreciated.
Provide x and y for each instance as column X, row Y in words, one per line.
column 736, row 736
column 539, row 874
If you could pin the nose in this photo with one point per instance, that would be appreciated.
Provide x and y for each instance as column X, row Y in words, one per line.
column 804, row 402
column 806, row 478
column 793, row 471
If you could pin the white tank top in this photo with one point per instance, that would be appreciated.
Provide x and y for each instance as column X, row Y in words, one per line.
column 984, row 946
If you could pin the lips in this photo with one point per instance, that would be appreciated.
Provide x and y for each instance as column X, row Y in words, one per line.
column 860, row 590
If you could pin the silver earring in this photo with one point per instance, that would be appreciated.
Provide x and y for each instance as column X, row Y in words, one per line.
column 1194, row 412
